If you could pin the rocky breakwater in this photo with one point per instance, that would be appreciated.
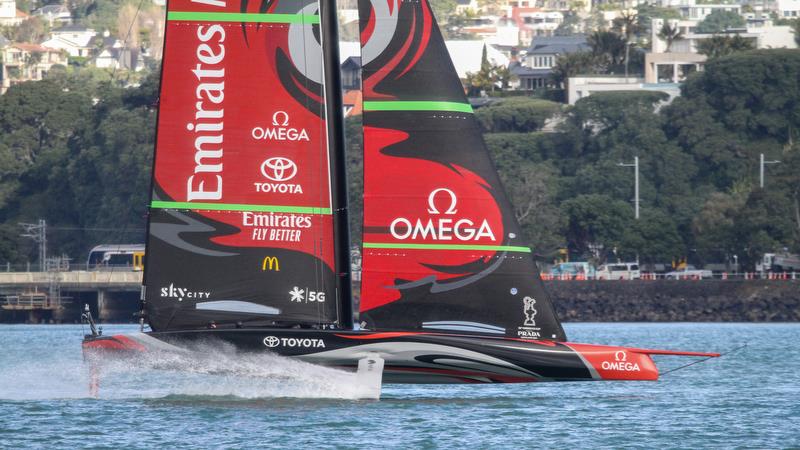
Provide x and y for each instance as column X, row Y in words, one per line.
column 676, row 301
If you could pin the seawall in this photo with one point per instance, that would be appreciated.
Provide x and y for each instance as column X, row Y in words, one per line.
column 676, row 301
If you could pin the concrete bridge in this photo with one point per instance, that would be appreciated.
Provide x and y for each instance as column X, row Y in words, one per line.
column 60, row 296
column 78, row 281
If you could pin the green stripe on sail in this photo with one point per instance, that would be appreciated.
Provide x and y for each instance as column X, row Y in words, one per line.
column 239, row 207
column 499, row 248
column 195, row 16
column 393, row 105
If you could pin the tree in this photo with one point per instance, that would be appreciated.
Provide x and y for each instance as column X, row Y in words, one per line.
column 593, row 221
column 719, row 21
column 532, row 189
column 627, row 26
column 754, row 94
column 607, row 45
column 796, row 30
column 670, row 33
column 570, row 25
column 517, row 114
column 645, row 12
column 578, row 63
column 718, row 46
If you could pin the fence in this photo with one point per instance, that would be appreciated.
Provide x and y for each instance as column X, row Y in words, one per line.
column 776, row 276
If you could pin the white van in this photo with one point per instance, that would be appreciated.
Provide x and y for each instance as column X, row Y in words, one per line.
column 619, row 271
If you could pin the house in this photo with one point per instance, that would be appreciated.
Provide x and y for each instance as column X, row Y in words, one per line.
column 788, row 9
column 533, row 22
column 119, row 58
column 26, row 62
column 467, row 55
column 351, row 73
column 544, row 51
column 76, row 40
column 467, row 6
column 10, row 15
column 55, row 15
column 673, row 64
column 529, row 79
column 696, row 12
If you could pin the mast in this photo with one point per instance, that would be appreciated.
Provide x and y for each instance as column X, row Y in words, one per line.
column 336, row 145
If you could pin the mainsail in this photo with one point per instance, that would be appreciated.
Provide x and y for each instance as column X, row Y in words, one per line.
column 442, row 248
column 241, row 225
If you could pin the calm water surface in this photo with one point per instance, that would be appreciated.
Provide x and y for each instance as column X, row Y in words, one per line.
column 750, row 398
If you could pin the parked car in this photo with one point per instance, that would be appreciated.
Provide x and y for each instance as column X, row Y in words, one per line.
column 688, row 273
column 573, row 269
column 619, row 271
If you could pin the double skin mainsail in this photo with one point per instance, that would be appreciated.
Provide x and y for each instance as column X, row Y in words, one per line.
column 241, row 225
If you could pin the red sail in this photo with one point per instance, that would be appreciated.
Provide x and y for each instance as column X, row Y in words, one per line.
column 241, row 226
column 442, row 248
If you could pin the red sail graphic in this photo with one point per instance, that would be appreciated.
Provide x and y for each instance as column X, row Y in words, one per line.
column 442, row 248
column 242, row 190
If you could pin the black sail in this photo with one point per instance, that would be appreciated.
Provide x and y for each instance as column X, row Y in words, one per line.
column 443, row 250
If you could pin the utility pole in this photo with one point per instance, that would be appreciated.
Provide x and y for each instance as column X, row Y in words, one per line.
column 761, row 170
column 38, row 232
column 635, row 166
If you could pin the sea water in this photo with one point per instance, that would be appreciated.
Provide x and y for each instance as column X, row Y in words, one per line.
column 748, row 398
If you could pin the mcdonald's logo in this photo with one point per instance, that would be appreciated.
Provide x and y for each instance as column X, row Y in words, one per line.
column 271, row 263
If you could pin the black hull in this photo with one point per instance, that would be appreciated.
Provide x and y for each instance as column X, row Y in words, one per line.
column 413, row 357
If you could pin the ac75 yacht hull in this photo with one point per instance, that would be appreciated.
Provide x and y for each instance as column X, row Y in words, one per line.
column 417, row 357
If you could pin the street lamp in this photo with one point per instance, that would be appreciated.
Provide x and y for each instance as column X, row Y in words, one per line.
column 761, row 170
column 635, row 166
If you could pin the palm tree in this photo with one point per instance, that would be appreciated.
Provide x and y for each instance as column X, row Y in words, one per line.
column 670, row 33
column 717, row 45
column 607, row 44
column 628, row 25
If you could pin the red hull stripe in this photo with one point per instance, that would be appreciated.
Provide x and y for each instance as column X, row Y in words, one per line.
column 196, row 16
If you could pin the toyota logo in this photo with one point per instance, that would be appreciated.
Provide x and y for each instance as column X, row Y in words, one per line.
column 271, row 341
column 279, row 169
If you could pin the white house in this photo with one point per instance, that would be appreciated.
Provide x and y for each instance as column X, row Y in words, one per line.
column 74, row 39
column 54, row 14
column 788, row 9
column 9, row 14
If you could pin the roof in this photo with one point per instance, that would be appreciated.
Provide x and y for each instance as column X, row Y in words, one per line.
column 466, row 56
column 352, row 61
column 32, row 47
column 71, row 29
column 523, row 71
column 51, row 9
column 558, row 45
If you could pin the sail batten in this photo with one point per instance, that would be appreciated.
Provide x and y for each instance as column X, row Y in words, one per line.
column 416, row 105
column 411, row 246
column 197, row 206
column 198, row 16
